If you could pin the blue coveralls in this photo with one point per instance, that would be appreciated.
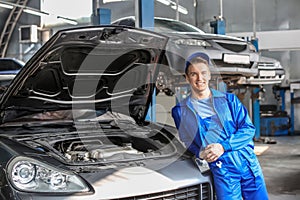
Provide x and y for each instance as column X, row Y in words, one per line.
column 240, row 175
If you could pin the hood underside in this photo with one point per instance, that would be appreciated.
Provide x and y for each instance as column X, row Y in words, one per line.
column 94, row 67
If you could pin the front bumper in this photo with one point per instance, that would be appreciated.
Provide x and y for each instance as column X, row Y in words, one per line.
column 140, row 183
column 267, row 76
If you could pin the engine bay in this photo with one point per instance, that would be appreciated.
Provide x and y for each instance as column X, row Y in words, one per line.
column 96, row 147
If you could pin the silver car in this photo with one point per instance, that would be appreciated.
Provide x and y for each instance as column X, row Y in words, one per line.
column 234, row 60
column 73, row 123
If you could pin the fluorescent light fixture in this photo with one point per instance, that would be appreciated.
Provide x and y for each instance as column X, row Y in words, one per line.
column 111, row 1
column 37, row 12
column 34, row 12
column 181, row 9
column 166, row 2
column 6, row 6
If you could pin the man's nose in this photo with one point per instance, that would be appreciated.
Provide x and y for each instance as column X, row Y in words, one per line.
column 200, row 76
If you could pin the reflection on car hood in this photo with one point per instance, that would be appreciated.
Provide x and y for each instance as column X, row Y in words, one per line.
column 207, row 36
column 92, row 67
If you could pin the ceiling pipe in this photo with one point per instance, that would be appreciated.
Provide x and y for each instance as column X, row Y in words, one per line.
column 177, row 9
column 254, row 18
column 221, row 9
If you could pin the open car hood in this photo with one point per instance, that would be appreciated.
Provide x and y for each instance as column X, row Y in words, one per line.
column 105, row 67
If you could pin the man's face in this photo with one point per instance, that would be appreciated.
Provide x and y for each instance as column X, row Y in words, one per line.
column 198, row 77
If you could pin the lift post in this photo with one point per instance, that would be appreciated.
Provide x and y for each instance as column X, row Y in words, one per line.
column 256, row 110
column 144, row 18
column 144, row 14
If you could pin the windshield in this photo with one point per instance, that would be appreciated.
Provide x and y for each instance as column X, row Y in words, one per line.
column 166, row 25
column 162, row 25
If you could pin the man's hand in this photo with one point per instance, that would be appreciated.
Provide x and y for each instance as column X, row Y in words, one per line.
column 212, row 152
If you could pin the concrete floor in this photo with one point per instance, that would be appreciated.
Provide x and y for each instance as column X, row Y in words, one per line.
column 281, row 167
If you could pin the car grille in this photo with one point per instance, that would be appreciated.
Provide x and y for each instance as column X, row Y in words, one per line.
column 221, row 63
column 266, row 64
column 202, row 192
column 233, row 47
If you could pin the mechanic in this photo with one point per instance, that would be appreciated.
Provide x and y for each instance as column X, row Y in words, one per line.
column 216, row 127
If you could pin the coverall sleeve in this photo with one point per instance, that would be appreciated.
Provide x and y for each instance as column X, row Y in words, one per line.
column 245, row 130
column 184, row 134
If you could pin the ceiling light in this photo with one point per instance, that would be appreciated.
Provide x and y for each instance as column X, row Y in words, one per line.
column 181, row 9
column 37, row 12
column 6, row 6
column 111, row 1
column 173, row 5
column 166, row 2
column 34, row 12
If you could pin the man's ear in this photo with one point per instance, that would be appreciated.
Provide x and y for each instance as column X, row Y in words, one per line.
column 186, row 78
column 209, row 76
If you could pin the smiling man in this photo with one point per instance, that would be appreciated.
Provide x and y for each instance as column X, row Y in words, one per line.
column 216, row 127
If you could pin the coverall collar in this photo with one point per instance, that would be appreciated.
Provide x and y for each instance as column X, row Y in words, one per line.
column 215, row 93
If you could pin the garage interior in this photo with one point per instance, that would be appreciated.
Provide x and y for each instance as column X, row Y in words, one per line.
column 272, row 26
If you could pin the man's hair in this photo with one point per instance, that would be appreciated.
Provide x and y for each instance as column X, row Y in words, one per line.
column 194, row 61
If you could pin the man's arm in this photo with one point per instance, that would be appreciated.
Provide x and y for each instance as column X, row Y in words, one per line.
column 245, row 129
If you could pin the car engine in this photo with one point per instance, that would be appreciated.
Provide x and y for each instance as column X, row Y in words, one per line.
column 93, row 147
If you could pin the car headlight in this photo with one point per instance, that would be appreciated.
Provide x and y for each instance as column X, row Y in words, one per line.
column 277, row 65
column 30, row 175
column 192, row 42
column 252, row 47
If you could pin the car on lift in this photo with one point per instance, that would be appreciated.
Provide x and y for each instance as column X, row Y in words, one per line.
column 231, row 57
column 9, row 67
column 73, row 123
